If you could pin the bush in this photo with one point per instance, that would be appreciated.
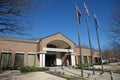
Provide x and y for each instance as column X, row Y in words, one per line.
column 10, row 68
column 45, row 69
column 25, row 69
column 86, row 65
column 97, row 63
column 33, row 69
column 0, row 68
column 78, row 66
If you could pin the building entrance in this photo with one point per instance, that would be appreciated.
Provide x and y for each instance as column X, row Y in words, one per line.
column 50, row 60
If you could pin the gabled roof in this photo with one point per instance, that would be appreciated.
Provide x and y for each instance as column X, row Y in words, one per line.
column 57, row 34
column 32, row 40
column 14, row 39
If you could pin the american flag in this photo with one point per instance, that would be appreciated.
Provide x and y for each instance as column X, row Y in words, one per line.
column 78, row 13
column 86, row 9
column 96, row 21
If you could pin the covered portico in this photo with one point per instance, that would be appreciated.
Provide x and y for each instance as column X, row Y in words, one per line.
column 57, row 51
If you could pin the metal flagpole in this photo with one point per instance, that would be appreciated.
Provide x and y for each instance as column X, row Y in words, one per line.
column 90, row 45
column 99, row 49
column 96, row 27
column 79, row 45
column 80, row 52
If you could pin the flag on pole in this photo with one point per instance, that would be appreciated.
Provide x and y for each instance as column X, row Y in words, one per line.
column 78, row 14
column 96, row 21
column 86, row 9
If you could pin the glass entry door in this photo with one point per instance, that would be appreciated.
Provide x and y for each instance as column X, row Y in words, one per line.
column 50, row 60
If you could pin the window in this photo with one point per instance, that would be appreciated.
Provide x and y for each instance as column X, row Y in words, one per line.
column 31, row 60
column 5, row 60
column 19, row 59
column 85, row 59
column 89, row 59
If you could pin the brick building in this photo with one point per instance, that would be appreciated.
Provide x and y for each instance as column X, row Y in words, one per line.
column 54, row 50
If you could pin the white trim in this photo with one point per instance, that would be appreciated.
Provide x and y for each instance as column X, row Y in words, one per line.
column 86, row 55
column 72, row 53
column 31, row 53
column 19, row 52
column 41, row 52
column 58, row 49
column 83, row 54
column 6, row 51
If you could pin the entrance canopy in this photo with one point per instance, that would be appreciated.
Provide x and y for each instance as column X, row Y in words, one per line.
column 58, row 41
column 57, row 50
column 58, row 44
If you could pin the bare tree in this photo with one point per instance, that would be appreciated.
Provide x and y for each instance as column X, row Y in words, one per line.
column 11, row 12
column 114, row 33
column 114, row 30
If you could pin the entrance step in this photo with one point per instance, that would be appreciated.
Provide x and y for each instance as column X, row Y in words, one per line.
column 57, row 68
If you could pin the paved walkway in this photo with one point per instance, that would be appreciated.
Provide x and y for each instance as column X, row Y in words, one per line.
column 97, row 76
column 16, row 75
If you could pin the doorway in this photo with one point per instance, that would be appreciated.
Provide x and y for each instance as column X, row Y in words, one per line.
column 50, row 60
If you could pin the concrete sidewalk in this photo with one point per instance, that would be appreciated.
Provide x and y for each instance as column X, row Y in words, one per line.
column 17, row 75
column 97, row 76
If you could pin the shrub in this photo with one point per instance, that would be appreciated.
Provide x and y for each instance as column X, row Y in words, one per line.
column 33, row 69
column 10, row 68
column 42, row 69
column 45, row 69
column 86, row 65
column 97, row 63
column 78, row 66
column 25, row 69
column 0, row 67
column 16, row 68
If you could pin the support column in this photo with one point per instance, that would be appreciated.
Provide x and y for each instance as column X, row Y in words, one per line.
column 43, row 61
column 40, row 56
column 72, row 59
column 58, row 59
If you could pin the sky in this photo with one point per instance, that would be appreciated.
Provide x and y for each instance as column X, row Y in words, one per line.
column 60, row 16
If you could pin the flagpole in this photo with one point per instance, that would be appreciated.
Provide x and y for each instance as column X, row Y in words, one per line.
column 80, row 52
column 96, row 27
column 88, row 30
column 79, row 45
column 99, row 49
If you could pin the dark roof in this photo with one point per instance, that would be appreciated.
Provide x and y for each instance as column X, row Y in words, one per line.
column 32, row 40
column 7, row 38
column 56, row 34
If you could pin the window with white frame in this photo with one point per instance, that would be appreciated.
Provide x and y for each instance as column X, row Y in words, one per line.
column 31, row 59
column 19, row 59
column 5, row 60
